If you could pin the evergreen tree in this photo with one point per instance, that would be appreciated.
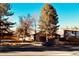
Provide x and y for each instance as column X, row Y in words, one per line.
column 5, row 25
column 48, row 21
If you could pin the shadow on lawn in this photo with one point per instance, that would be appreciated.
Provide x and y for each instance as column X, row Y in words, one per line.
column 6, row 49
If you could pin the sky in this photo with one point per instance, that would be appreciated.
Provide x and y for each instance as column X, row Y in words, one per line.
column 68, row 13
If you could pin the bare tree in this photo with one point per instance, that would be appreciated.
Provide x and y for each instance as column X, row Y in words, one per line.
column 25, row 26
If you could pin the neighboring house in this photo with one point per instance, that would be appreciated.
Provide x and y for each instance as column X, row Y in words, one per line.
column 42, row 38
column 69, row 33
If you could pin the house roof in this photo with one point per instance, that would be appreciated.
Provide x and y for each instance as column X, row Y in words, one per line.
column 71, row 30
